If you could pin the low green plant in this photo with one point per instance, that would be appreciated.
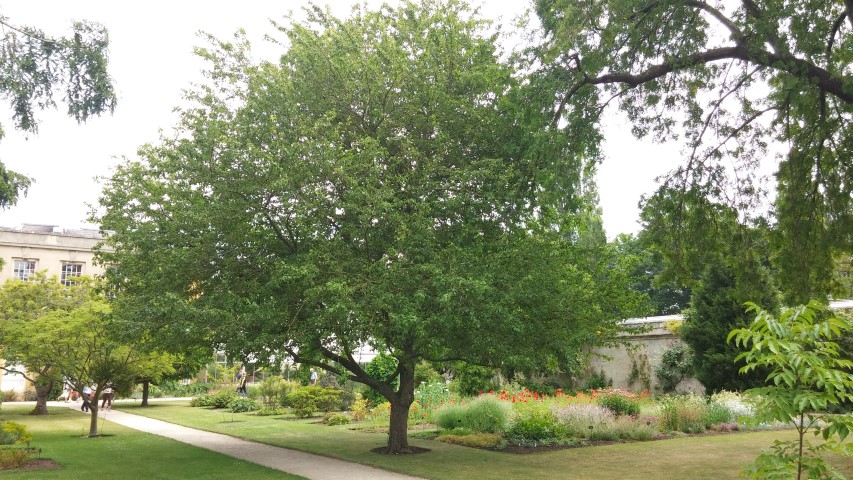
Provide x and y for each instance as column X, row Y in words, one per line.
column 535, row 426
column 269, row 412
column 269, row 391
column 13, row 433
column 332, row 418
column 15, row 457
column 682, row 413
column 619, row 404
column 808, row 374
column 223, row 398
column 633, row 428
column 310, row 399
column 220, row 399
column 718, row 413
column 203, row 400
column 475, row 439
column 9, row 396
column 243, row 404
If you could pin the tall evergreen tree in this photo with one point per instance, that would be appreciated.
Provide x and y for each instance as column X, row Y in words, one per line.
column 716, row 308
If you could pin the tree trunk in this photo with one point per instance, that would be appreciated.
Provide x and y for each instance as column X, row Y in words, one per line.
column 145, row 384
column 93, row 419
column 42, row 391
column 398, row 430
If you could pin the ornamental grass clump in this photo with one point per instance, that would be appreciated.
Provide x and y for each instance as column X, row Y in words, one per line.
column 579, row 420
column 683, row 413
column 484, row 414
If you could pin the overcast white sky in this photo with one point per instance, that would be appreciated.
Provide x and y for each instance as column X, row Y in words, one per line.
column 151, row 61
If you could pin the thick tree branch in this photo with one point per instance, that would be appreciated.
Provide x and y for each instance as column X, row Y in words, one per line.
column 737, row 33
column 836, row 26
column 786, row 63
column 849, row 5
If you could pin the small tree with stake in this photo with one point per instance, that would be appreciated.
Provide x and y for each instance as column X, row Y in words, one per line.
column 807, row 374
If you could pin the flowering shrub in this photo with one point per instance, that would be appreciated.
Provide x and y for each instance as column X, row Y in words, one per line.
column 737, row 405
column 359, row 409
column 429, row 398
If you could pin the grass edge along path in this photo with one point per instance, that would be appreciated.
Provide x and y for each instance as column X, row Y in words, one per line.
column 707, row 457
column 121, row 452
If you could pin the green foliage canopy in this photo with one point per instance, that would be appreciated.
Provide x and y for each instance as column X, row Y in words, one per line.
column 383, row 185
column 727, row 79
column 807, row 375
column 34, row 68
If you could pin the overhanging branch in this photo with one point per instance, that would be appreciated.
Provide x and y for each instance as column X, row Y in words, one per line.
column 825, row 80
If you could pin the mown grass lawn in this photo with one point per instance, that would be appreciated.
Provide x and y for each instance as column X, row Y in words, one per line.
column 710, row 457
column 121, row 453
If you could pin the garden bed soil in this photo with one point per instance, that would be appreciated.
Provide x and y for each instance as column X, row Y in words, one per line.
column 518, row 449
column 36, row 464
column 414, row 450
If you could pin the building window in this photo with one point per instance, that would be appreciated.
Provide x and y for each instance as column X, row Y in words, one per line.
column 69, row 271
column 23, row 269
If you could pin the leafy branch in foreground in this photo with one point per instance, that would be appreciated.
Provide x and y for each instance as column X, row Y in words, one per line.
column 807, row 375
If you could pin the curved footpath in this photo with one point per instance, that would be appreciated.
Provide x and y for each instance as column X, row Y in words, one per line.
column 315, row 467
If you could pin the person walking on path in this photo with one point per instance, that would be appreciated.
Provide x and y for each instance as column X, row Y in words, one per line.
column 313, row 377
column 87, row 392
column 107, row 396
column 242, row 378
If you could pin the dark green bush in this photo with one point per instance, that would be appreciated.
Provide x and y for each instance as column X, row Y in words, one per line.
column 535, row 426
column 547, row 389
column 619, row 404
column 309, row 399
column 203, row 400
column 598, row 381
column 335, row 419
column 243, row 404
column 471, row 380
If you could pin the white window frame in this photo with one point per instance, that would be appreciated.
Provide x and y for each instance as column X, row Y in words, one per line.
column 21, row 271
column 64, row 276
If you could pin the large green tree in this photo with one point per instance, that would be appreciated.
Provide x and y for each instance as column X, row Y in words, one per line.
column 727, row 79
column 384, row 185
column 35, row 68
column 29, row 349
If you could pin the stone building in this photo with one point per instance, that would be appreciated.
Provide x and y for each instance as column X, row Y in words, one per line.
column 34, row 248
